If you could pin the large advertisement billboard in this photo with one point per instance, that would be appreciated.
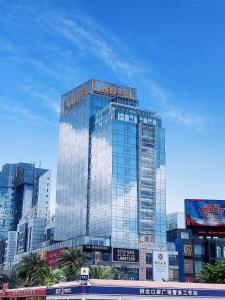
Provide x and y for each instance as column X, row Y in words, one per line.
column 205, row 214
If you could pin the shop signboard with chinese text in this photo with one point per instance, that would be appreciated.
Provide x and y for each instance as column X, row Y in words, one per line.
column 160, row 265
column 125, row 255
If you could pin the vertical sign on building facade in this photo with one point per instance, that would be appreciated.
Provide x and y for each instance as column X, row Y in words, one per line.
column 160, row 265
column 84, row 274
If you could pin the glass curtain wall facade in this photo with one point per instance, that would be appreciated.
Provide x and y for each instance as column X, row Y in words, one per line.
column 111, row 168
column 19, row 194
column 71, row 201
column 8, row 203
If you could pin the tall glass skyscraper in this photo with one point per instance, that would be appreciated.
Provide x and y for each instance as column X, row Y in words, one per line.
column 111, row 168
column 24, row 189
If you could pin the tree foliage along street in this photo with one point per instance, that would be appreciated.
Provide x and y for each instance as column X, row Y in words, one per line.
column 11, row 277
column 71, row 260
column 32, row 271
column 46, row 276
column 212, row 273
column 98, row 272
column 29, row 266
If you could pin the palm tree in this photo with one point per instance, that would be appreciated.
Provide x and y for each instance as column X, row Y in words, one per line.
column 98, row 272
column 29, row 266
column 71, row 260
column 46, row 276
column 3, row 278
column 41, row 277
column 10, row 277
column 59, row 275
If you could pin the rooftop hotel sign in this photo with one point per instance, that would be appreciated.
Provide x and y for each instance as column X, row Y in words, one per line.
column 72, row 98
column 112, row 90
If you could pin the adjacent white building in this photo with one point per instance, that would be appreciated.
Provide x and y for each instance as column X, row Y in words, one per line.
column 175, row 220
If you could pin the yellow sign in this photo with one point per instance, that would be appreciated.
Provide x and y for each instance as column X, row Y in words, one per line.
column 111, row 90
column 75, row 99
column 187, row 250
column 95, row 87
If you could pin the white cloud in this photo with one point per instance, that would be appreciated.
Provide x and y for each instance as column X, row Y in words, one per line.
column 88, row 36
column 42, row 67
column 192, row 120
column 47, row 100
column 85, row 34
column 13, row 107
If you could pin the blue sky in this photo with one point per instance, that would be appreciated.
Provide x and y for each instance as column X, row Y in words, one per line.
column 173, row 52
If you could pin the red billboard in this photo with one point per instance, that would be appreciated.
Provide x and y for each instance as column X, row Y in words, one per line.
column 205, row 216
column 51, row 257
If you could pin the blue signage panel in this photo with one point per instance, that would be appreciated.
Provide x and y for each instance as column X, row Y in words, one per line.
column 63, row 291
column 151, row 292
column 84, row 277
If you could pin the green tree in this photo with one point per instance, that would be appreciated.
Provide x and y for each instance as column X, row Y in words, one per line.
column 10, row 277
column 212, row 273
column 99, row 272
column 29, row 266
column 3, row 278
column 59, row 275
column 71, row 260
column 46, row 276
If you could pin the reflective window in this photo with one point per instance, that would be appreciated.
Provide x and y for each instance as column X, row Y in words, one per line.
column 149, row 274
column 173, row 260
column 198, row 266
column 199, row 250
column 185, row 235
column 149, row 257
column 218, row 252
